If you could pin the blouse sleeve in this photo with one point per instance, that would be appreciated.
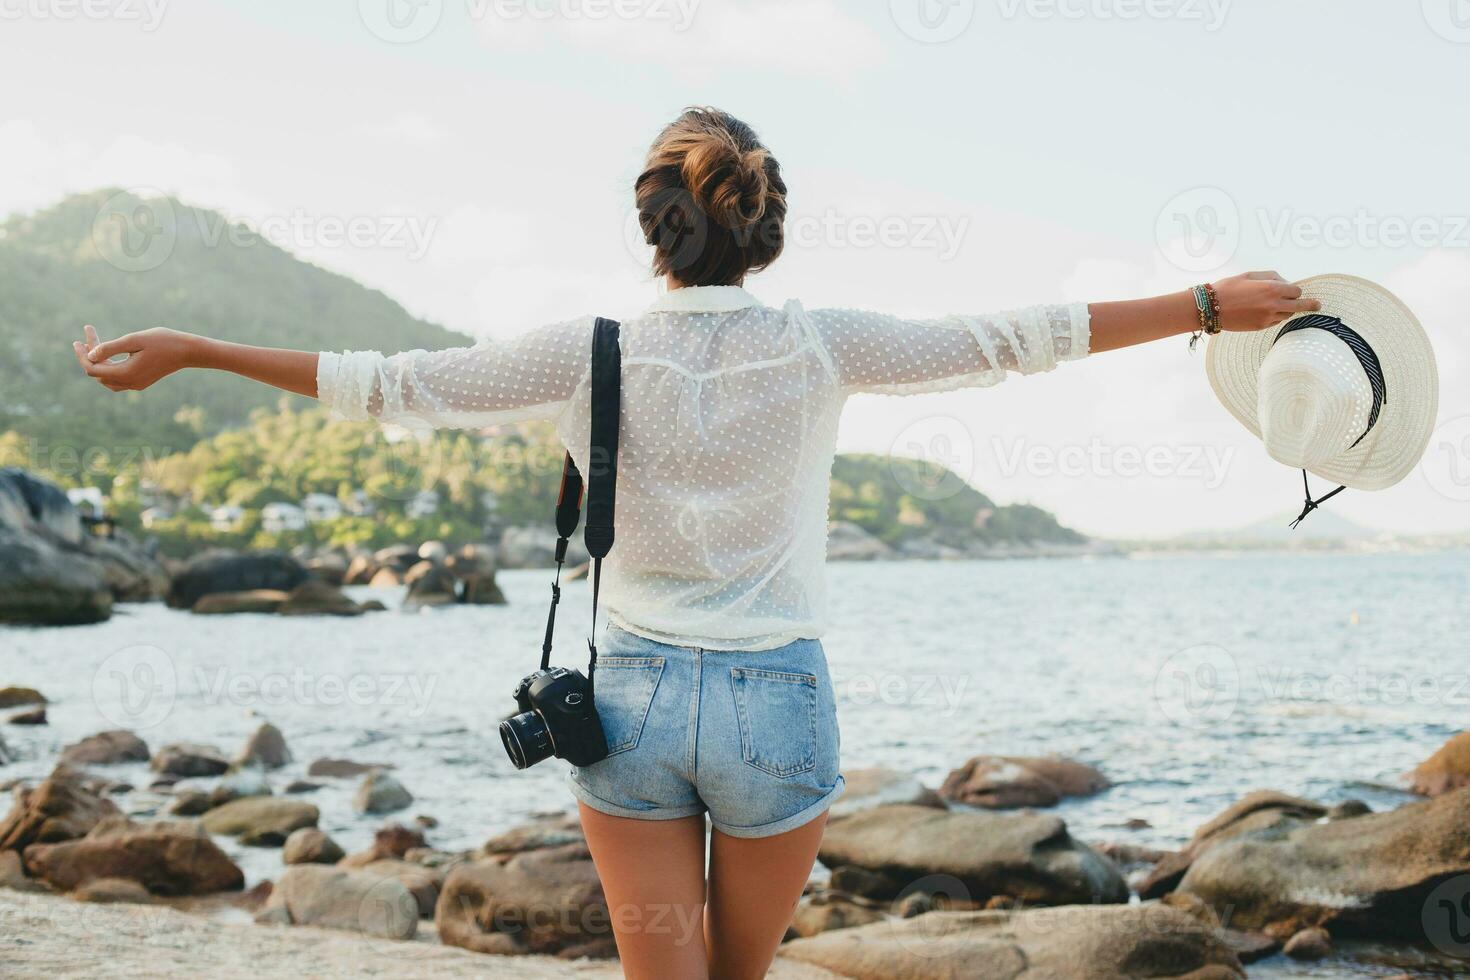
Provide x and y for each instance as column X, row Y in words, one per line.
column 530, row 377
column 871, row 352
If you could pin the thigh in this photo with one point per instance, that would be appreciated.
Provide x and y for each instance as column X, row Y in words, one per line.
column 754, row 885
column 652, row 873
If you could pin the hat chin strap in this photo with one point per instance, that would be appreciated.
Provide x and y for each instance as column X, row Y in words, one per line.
column 1311, row 504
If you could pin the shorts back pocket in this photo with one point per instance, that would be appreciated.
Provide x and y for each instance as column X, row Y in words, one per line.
column 778, row 719
column 624, row 690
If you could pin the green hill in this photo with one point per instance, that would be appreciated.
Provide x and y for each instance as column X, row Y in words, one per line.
column 124, row 264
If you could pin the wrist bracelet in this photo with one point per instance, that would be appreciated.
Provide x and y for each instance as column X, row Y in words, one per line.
column 1214, row 300
column 1205, row 311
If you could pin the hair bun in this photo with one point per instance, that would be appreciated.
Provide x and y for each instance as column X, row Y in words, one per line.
column 727, row 183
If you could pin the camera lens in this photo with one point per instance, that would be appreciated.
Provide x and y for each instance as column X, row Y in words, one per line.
column 527, row 740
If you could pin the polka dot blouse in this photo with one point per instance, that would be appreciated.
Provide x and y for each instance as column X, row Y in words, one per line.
column 729, row 427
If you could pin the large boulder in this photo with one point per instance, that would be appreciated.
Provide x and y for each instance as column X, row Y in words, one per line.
column 544, row 901
column 342, row 768
column 534, row 836
column 1128, row 942
column 15, row 697
column 260, row 821
column 1011, row 782
column 165, row 858
column 43, row 584
column 381, row 793
column 867, row 788
column 131, row 573
column 266, row 748
column 429, row 584
column 423, row 883
column 311, row 846
column 332, row 898
column 1261, row 810
column 1445, row 771
column 535, row 547
column 61, row 808
column 108, row 748
column 231, row 571
column 474, row 567
column 186, row 759
column 250, row 601
column 317, row 598
column 967, row 855
column 848, row 542
column 1368, row 874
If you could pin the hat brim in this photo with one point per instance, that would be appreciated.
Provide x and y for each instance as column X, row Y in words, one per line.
column 1396, row 443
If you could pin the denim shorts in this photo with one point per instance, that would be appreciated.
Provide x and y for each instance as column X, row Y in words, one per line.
column 750, row 736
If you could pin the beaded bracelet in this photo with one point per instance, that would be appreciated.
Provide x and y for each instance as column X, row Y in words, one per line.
column 1207, row 307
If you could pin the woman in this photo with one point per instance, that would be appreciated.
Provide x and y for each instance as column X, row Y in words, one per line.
column 712, row 687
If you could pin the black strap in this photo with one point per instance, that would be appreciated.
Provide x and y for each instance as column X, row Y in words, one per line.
column 1368, row 358
column 600, row 485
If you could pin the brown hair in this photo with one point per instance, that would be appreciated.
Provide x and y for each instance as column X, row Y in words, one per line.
column 711, row 200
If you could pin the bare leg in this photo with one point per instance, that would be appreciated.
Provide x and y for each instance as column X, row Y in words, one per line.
column 754, row 885
column 652, row 872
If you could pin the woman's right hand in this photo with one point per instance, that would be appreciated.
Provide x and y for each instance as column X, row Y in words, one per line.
column 1256, row 300
column 151, row 355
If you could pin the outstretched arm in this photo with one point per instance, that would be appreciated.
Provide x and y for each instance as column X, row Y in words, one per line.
column 1251, row 301
column 155, row 354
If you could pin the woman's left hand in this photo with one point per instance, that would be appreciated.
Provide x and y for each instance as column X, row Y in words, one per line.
column 151, row 355
column 1256, row 300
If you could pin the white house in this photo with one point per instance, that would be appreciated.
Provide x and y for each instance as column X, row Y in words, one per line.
column 154, row 515
column 226, row 518
column 425, row 503
column 279, row 517
column 321, row 507
column 88, row 500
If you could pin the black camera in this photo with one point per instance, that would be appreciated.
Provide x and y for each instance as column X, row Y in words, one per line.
column 557, row 718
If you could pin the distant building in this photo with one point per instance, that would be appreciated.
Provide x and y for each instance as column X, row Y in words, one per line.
column 321, row 507
column 88, row 500
column 226, row 518
column 153, row 516
column 425, row 503
column 280, row 517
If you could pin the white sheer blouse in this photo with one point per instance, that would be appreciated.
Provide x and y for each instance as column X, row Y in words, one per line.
column 729, row 427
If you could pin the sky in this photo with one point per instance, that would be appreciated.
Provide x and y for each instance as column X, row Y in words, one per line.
column 942, row 156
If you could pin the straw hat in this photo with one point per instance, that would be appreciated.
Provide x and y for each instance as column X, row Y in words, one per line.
column 1349, row 393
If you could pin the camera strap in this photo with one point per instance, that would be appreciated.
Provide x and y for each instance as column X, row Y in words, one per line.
column 600, row 487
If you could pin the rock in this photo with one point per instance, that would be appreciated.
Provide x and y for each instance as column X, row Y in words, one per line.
column 867, row 788
column 30, row 503
column 13, row 875
column 106, row 749
column 1250, row 947
column 31, row 716
column 1009, row 782
column 825, row 912
column 189, row 803
column 113, row 891
column 360, row 570
column 331, row 898
column 316, row 598
column 474, row 567
column 422, row 883
column 373, row 605
column 237, row 786
column 970, row 856
column 434, row 551
column 1128, row 942
column 48, row 578
column 1309, row 944
column 131, row 573
column 185, row 759
column 535, row 547
column 229, row 571
column 1131, row 856
column 266, row 748
column 546, row 901
column 166, row 859
column 260, row 821
column 61, row 808
column 1348, row 809
column 399, row 557
column 429, row 585
column 297, row 786
column 249, row 601
column 15, row 697
column 848, row 542
column 311, row 846
column 343, row 768
column 1370, row 875
column 1255, row 811
column 386, row 578
column 330, row 568
column 381, row 793
column 536, row 835
column 1445, row 771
